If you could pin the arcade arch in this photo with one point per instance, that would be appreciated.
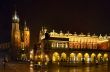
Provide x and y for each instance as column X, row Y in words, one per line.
column 86, row 57
column 79, row 57
column 105, row 57
column 93, row 57
column 99, row 57
column 63, row 56
column 72, row 57
column 55, row 57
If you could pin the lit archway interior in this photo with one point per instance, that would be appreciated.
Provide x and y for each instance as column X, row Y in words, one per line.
column 99, row 57
column 72, row 57
column 46, row 58
column 79, row 57
column 23, row 57
column 86, row 57
column 105, row 57
column 93, row 57
column 55, row 57
column 63, row 56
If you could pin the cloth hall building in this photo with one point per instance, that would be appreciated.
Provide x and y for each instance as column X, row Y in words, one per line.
column 73, row 48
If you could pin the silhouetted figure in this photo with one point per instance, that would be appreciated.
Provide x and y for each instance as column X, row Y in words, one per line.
column 4, row 63
column 83, row 61
column 96, row 62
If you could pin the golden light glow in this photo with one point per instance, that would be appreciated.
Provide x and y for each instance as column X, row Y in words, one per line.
column 55, row 57
column 99, row 56
column 81, row 40
column 63, row 56
column 18, row 36
column 86, row 57
column 31, row 64
column 105, row 57
column 79, row 57
column 31, row 54
column 72, row 57
column 89, row 41
column 39, row 63
column 93, row 55
column 46, row 58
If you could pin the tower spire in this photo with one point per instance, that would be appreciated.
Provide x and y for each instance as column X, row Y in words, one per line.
column 15, row 17
column 25, row 24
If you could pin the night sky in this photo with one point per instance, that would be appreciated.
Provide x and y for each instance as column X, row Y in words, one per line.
column 76, row 16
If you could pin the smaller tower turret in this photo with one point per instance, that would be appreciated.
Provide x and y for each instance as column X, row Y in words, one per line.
column 26, row 35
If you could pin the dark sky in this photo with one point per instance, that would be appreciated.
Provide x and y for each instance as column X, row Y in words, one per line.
column 76, row 16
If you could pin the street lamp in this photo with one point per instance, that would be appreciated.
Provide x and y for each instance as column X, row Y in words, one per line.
column 32, row 54
column 31, row 57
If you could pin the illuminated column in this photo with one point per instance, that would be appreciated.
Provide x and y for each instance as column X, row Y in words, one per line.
column 57, row 44
column 52, row 44
column 66, row 45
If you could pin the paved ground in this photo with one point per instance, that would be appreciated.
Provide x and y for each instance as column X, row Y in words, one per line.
column 14, row 67
column 23, row 67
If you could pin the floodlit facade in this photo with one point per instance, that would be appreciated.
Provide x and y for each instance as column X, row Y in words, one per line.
column 20, row 39
column 72, row 48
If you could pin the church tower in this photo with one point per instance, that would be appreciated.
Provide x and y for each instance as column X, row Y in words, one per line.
column 15, row 33
column 26, row 36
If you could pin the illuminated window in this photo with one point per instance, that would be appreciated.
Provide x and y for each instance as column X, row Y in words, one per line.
column 70, row 44
column 60, row 45
column 57, row 45
column 52, row 45
column 66, row 45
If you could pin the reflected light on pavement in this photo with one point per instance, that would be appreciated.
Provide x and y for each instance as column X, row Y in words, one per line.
column 31, row 69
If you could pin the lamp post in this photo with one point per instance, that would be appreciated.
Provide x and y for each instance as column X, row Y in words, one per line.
column 31, row 54
column 4, row 64
column 31, row 57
